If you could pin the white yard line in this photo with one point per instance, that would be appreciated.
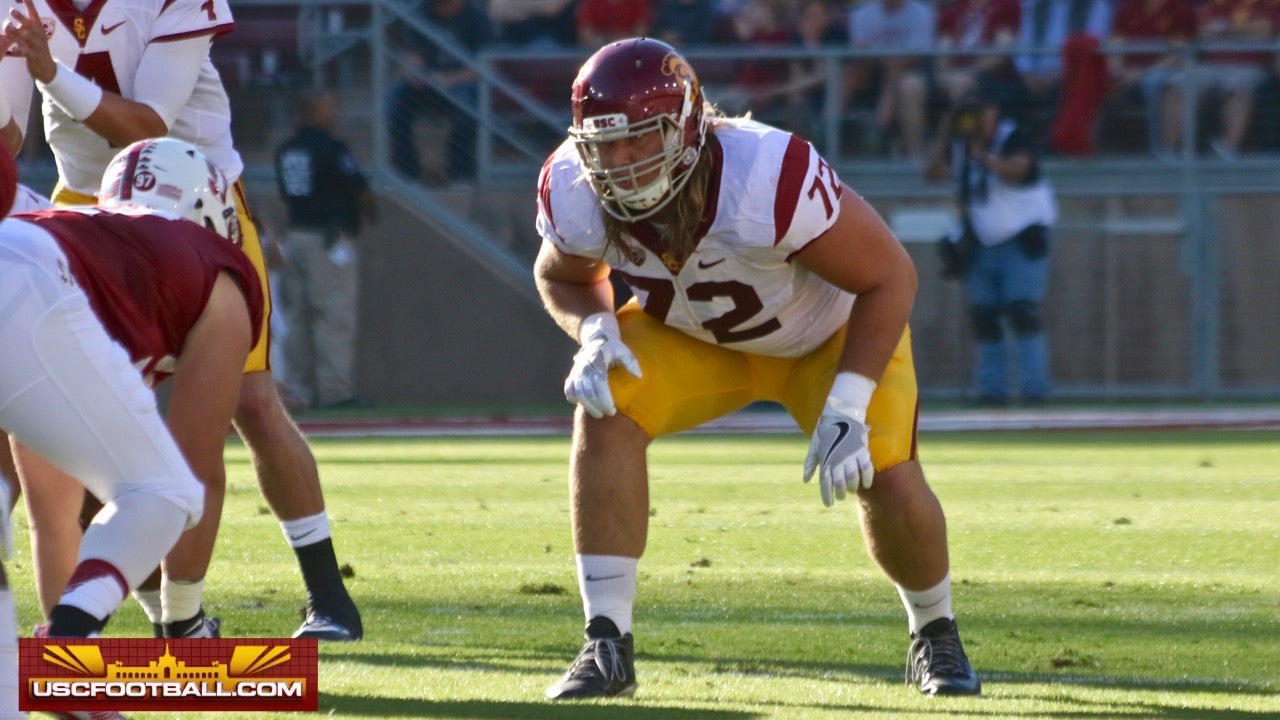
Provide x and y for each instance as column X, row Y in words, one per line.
column 754, row 421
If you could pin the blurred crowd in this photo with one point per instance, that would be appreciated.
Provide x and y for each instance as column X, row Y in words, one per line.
column 1064, row 67
column 1085, row 76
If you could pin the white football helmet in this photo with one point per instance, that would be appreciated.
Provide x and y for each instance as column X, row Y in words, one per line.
column 172, row 176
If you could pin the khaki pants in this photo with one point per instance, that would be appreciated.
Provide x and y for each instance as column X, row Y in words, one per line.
column 319, row 289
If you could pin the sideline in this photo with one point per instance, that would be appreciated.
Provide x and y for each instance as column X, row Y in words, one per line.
column 756, row 421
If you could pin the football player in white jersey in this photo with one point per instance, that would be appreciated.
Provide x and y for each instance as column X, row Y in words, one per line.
column 757, row 276
column 114, row 72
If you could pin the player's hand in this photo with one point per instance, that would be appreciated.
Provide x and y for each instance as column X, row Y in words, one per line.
column 602, row 348
column 839, row 450
column 24, row 36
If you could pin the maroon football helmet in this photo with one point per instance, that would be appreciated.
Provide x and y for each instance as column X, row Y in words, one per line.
column 628, row 89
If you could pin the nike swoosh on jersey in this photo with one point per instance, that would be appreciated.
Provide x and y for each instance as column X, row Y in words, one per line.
column 843, row 427
column 704, row 265
column 108, row 29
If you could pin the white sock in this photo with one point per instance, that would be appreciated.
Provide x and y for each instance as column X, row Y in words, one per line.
column 133, row 533
column 180, row 599
column 608, row 587
column 925, row 606
column 306, row 531
column 151, row 604
column 98, row 595
column 8, row 658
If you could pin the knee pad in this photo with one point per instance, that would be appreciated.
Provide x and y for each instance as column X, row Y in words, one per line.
column 1024, row 316
column 986, row 323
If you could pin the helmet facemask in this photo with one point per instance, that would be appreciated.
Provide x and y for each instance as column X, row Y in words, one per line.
column 640, row 189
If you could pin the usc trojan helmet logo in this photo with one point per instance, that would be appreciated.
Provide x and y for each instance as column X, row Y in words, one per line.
column 675, row 66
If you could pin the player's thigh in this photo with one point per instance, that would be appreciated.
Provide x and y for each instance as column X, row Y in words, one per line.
column 66, row 197
column 685, row 382
column 259, row 356
column 894, row 409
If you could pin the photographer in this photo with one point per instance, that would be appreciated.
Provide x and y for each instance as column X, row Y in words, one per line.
column 1001, row 248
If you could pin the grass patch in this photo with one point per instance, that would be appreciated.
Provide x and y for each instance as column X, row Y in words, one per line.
column 1097, row 575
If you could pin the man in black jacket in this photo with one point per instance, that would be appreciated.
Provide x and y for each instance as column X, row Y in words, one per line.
column 326, row 197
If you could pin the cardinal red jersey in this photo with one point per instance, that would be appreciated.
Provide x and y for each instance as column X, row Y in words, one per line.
column 148, row 277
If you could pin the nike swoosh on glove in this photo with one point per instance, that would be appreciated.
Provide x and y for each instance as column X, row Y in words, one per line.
column 839, row 449
column 602, row 348
column 839, row 452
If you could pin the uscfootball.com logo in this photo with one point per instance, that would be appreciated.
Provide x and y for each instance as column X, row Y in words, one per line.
column 60, row 674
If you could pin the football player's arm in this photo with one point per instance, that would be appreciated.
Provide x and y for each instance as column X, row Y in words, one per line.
column 572, row 287
column 165, row 79
column 11, row 137
column 861, row 255
column 205, row 390
column 579, row 298
column 163, row 84
column 15, row 103
column 206, row 377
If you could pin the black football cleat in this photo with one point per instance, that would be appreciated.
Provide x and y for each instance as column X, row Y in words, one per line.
column 335, row 619
column 200, row 626
column 937, row 664
column 604, row 668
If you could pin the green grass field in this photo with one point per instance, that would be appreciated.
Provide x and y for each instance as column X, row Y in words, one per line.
column 1096, row 575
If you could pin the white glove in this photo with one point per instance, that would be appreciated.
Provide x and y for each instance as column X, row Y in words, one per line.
column 839, row 444
column 602, row 348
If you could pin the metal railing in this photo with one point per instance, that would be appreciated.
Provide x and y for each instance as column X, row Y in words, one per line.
column 518, row 125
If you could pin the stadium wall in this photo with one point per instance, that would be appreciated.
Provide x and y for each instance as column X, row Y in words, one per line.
column 438, row 328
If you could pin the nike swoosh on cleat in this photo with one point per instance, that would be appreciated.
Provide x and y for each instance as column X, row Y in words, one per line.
column 843, row 427
column 606, row 577
column 108, row 29
column 705, row 265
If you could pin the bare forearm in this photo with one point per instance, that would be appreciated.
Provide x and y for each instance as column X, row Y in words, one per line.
column 876, row 325
column 569, row 303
